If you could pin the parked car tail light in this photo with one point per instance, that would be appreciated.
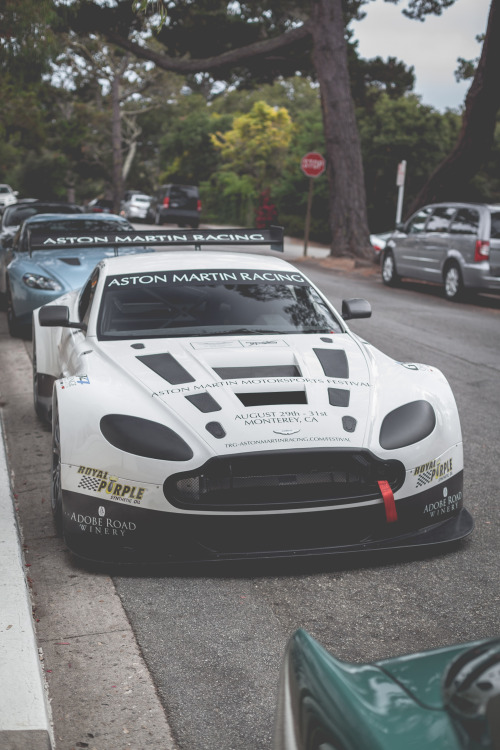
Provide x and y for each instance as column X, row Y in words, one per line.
column 482, row 251
column 198, row 205
column 166, row 201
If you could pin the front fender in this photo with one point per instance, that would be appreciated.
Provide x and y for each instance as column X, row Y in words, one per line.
column 84, row 400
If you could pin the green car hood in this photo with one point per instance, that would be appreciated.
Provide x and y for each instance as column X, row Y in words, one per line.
column 394, row 704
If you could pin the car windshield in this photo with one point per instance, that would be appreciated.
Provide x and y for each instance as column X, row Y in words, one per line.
column 212, row 303
column 19, row 213
column 4, row 189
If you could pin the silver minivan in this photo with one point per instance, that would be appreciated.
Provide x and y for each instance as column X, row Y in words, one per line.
column 453, row 244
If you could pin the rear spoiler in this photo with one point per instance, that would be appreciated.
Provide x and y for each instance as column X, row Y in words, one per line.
column 273, row 237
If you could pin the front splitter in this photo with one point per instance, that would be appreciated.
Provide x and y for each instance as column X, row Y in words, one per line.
column 104, row 531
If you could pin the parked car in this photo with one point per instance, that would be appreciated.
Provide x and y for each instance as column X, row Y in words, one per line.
column 379, row 241
column 12, row 217
column 100, row 206
column 39, row 273
column 7, row 196
column 214, row 405
column 456, row 245
column 445, row 698
column 176, row 204
column 135, row 206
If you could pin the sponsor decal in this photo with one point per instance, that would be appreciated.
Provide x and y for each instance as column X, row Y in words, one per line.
column 435, row 470
column 279, row 417
column 75, row 380
column 286, row 432
column 252, row 382
column 416, row 367
column 447, row 504
column 273, row 441
column 98, row 480
column 101, row 526
column 206, row 277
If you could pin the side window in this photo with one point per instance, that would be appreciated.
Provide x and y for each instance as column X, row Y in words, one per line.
column 87, row 296
column 417, row 223
column 440, row 219
column 465, row 222
column 495, row 226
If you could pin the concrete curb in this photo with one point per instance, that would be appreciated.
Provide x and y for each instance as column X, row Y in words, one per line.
column 25, row 722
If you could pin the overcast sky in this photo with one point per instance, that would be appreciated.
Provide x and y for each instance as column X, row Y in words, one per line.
column 431, row 47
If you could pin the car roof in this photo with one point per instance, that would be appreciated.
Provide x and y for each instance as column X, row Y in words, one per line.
column 192, row 259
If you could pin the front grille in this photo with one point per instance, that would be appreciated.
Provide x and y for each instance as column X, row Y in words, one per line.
column 283, row 480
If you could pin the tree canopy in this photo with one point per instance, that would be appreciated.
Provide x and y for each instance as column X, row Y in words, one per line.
column 219, row 59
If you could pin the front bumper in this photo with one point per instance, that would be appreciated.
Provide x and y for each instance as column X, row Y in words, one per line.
column 106, row 531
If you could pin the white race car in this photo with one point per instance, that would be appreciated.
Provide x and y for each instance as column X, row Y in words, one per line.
column 213, row 405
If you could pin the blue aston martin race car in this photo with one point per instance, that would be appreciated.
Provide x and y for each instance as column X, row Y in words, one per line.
column 35, row 275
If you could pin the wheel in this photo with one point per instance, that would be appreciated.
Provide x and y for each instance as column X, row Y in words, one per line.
column 42, row 391
column 453, row 282
column 16, row 329
column 390, row 276
column 56, row 489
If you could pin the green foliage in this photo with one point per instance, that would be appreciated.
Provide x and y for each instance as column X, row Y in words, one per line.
column 257, row 143
column 397, row 129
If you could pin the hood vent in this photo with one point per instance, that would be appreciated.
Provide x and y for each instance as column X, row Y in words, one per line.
column 339, row 396
column 71, row 261
column 258, row 371
column 204, row 402
column 272, row 398
column 334, row 362
column 167, row 367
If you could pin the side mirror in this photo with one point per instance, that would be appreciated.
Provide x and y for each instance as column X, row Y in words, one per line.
column 356, row 308
column 57, row 316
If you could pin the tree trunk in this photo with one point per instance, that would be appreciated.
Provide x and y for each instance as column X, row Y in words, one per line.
column 344, row 167
column 450, row 180
column 116, row 143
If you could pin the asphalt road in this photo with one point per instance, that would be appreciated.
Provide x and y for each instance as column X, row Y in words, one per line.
column 189, row 658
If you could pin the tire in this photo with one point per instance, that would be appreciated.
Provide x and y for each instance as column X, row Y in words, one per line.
column 453, row 282
column 16, row 329
column 56, row 490
column 390, row 276
column 42, row 392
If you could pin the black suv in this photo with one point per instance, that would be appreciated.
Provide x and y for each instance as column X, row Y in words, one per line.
column 176, row 204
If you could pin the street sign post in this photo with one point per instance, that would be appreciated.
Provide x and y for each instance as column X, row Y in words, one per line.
column 313, row 165
column 400, row 182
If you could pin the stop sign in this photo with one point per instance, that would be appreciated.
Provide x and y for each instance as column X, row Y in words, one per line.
column 312, row 164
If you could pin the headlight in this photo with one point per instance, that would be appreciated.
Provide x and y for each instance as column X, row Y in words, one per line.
column 407, row 425
column 36, row 281
column 144, row 438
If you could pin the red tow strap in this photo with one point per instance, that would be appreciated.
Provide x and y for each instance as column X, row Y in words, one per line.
column 391, row 513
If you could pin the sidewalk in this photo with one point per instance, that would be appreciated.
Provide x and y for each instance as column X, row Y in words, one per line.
column 24, row 710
